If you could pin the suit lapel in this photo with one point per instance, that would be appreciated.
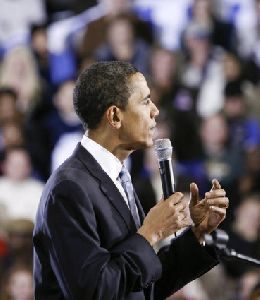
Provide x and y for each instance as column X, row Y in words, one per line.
column 107, row 186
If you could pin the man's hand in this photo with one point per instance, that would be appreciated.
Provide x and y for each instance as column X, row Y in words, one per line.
column 208, row 213
column 165, row 218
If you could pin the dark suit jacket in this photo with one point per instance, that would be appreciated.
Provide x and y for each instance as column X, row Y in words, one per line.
column 86, row 246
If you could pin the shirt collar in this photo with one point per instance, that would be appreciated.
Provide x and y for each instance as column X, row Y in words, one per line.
column 108, row 162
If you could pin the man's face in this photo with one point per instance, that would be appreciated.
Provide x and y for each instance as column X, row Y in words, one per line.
column 138, row 119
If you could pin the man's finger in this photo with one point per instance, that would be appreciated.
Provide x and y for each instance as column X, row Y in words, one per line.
column 215, row 193
column 215, row 184
column 194, row 194
column 175, row 199
column 220, row 211
column 219, row 202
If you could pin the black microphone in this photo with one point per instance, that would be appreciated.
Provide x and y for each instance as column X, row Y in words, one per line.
column 163, row 150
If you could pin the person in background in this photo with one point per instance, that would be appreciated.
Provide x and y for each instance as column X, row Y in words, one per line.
column 249, row 181
column 18, row 239
column 19, row 191
column 121, row 43
column 11, row 135
column 244, row 130
column 244, row 235
column 39, row 46
column 247, row 285
column 19, row 71
column 18, row 284
column 47, row 127
column 255, row 293
column 62, row 118
column 8, row 108
column 94, row 34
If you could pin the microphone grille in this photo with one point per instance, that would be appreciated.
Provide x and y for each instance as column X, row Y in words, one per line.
column 163, row 149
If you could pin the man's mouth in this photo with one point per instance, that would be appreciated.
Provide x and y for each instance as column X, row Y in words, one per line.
column 153, row 127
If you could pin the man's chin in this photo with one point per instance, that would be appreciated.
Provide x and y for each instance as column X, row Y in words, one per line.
column 141, row 145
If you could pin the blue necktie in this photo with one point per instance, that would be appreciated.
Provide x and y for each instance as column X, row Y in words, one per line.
column 126, row 183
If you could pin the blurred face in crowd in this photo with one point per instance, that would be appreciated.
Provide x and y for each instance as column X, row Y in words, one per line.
column 120, row 36
column 231, row 67
column 39, row 42
column 248, row 218
column 198, row 48
column 138, row 119
column 234, row 106
column 17, row 165
column 120, row 31
column 12, row 134
column 252, row 160
column 163, row 67
column 64, row 98
column 20, row 285
column 214, row 130
column 7, row 107
column 257, row 4
column 247, row 283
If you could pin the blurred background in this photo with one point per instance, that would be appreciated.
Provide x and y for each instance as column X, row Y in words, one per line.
column 201, row 59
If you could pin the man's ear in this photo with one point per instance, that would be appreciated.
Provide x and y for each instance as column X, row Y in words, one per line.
column 114, row 116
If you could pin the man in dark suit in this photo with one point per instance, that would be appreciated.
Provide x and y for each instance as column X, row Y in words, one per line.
column 91, row 239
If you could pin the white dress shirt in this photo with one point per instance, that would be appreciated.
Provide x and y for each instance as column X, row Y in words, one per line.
column 110, row 164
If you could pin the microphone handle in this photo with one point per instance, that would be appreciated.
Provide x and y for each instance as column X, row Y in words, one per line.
column 167, row 178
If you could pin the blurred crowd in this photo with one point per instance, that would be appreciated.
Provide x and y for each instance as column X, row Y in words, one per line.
column 202, row 62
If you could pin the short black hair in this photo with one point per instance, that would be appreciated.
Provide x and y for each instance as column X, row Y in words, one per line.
column 99, row 86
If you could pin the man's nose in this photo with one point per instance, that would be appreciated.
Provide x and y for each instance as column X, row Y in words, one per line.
column 154, row 111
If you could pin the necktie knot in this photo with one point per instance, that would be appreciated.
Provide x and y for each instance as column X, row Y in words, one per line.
column 124, row 175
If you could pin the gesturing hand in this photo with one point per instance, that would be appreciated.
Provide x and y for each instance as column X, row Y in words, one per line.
column 208, row 213
column 165, row 218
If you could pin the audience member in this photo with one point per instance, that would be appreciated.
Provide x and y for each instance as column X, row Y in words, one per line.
column 244, row 130
column 18, row 284
column 249, row 181
column 8, row 109
column 163, row 76
column 255, row 292
column 39, row 46
column 122, row 44
column 19, row 245
column 95, row 33
column 203, row 12
column 16, row 18
column 19, row 71
column 62, row 119
column 19, row 192
column 46, row 127
column 244, row 235
column 246, row 285
column 220, row 160
column 11, row 134
column 168, row 18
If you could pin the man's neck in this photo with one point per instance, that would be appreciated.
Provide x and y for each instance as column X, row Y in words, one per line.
column 109, row 142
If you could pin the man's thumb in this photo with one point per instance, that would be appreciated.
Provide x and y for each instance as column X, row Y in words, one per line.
column 215, row 184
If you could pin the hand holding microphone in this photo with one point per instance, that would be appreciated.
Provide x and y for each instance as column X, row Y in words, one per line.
column 206, row 214
column 171, row 213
